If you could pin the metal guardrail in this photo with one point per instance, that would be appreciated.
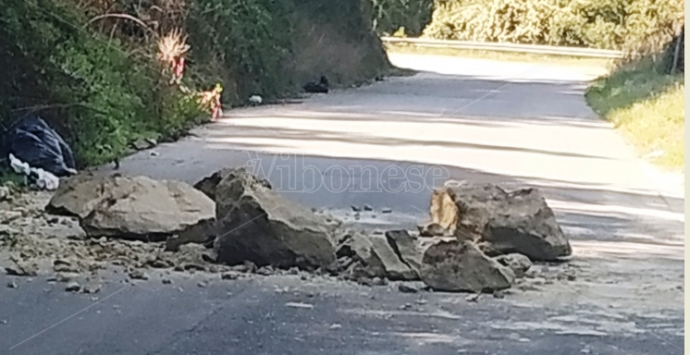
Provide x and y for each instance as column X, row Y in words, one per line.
column 507, row 47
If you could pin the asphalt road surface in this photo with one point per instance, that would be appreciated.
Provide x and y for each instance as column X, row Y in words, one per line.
column 387, row 145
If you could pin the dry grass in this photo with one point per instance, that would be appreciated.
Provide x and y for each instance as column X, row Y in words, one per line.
column 648, row 107
column 172, row 46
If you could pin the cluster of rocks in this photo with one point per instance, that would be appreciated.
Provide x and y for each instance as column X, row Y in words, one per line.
column 481, row 238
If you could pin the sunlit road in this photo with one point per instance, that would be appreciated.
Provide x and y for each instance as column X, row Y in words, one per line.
column 386, row 145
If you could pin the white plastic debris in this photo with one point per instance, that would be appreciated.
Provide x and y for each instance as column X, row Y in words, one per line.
column 19, row 166
column 255, row 99
column 43, row 179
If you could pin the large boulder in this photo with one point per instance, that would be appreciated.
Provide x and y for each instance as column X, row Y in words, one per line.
column 406, row 248
column 256, row 224
column 204, row 233
column 394, row 256
column 456, row 266
column 506, row 222
column 209, row 184
column 132, row 207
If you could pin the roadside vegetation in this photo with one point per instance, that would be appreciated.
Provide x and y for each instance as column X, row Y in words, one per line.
column 107, row 73
column 604, row 24
column 409, row 16
column 640, row 96
column 638, row 28
column 648, row 106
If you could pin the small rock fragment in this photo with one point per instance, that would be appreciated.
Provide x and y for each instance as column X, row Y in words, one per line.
column 5, row 193
column 11, row 284
column 246, row 267
column 160, row 264
column 138, row 275
column 141, row 144
column 61, row 265
column 299, row 305
column 517, row 262
column 63, row 277
column 230, row 276
column 367, row 208
column 365, row 281
column 528, row 287
column 431, row 230
column 92, row 289
column 193, row 266
column 407, row 289
column 265, row 271
column 538, row 281
column 379, row 281
column 386, row 210
column 73, row 287
column 22, row 269
column 473, row 297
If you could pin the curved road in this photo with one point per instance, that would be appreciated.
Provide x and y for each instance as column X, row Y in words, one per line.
column 518, row 124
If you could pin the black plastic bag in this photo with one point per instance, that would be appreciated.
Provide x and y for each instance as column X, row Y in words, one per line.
column 32, row 141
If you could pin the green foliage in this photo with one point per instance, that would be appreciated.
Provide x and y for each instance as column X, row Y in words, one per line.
column 605, row 24
column 390, row 15
column 101, row 87
column 271, row 47
column 182, row 112
column 249, row 41
column 97, row 96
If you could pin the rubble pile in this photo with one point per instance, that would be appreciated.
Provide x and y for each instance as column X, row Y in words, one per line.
column 480, row 238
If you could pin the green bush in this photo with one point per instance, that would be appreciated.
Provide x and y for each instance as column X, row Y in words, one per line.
column 98, row 96
column 271, row 47
column 605, row 24
column 246, row 45
column 412, row 15
column 96, row 79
